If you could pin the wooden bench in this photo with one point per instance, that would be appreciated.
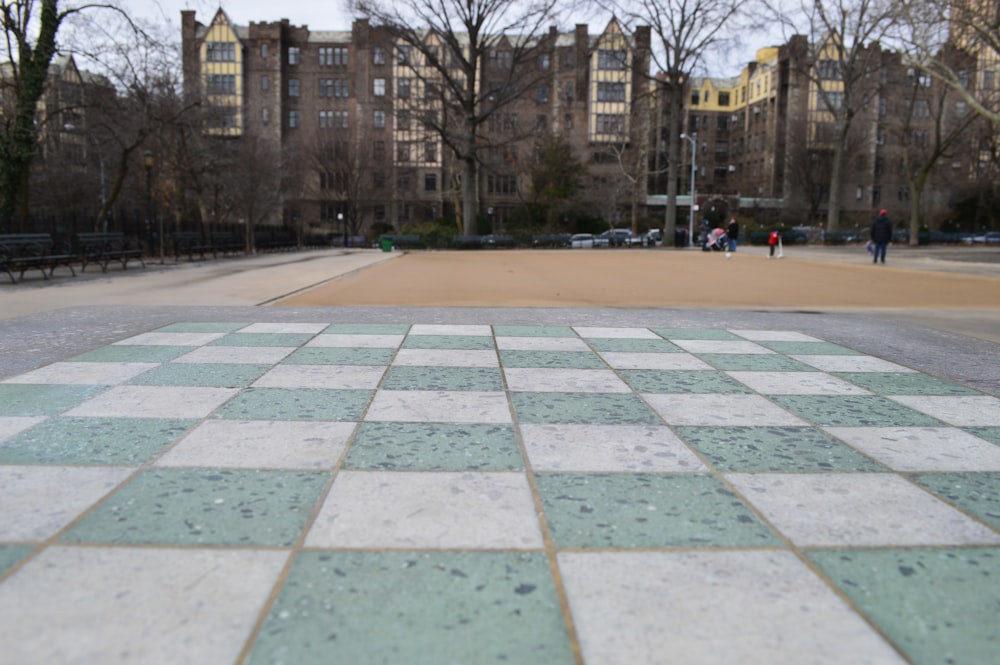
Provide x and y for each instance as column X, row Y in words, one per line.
column 102, row 248
column 33, row 251
column 191, row 243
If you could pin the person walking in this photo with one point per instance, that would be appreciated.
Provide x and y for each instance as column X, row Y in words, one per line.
column 774, row 240
column 733, row 233
column 881, row 235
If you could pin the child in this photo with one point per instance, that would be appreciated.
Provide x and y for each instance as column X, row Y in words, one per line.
column 774, row 240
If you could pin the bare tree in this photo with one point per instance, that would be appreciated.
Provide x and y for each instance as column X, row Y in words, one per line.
column 447, row 46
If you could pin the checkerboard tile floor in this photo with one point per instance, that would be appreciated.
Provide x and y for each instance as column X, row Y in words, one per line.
column 315, row 493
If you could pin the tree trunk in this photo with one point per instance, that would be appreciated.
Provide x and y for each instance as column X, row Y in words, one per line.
column 470, row 196
column 836, row 175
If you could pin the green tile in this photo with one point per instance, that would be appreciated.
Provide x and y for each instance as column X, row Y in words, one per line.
column 367, row 329
column 263, row 339
column 854, row 411
column 682, row 381
column 988, row 433
column 315, row 355
column 754, row 362
column 417, row 608
column 559, row 359
column 443, row 378
column 937, row 605
column 762, row 449
column 975, row 493
column 214, row 375
column 201, row 327
column 904, row 383
column 232, row 507
column 435, row 447
column 133, row 353
column 115, row 441
column 696, row 333
column 647, row 510
column 11, row 554
column 809, row 348
column 533, row 331
column 627, row 345
column 296, row 404
column 31, row 399
column 583, row 408
column 470, row 342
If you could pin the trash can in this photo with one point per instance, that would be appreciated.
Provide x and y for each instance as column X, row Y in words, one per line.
column 386, row 244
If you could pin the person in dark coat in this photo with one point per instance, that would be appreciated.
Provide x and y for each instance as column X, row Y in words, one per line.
column 881, row 235
column 733, row 233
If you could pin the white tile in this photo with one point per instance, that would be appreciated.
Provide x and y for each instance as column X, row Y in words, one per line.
column 922, row 448
column 607, row 448
column 541, row 344
column 244, row 355
column 261, row 444
column 300, row 328
column 707, row 346
column 965, row 411
column 343, row 377
column 707, row 608
column 775, row 336
column 615, row 333
column 439, row 406
column 447, row 358
column 90, row 374
column 172, row 339
column 427, row 510
column 797, row 383
column 831, row 363
column 101, row 605
column 443, row 329
column 857, row 510
column 38, row 501
column 11, row 426
column 345, row 341
column 721, row 410
column 531, row 379
column 154, row 402
column 629, row 360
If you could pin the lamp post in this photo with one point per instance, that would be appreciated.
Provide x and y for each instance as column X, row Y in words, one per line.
column 694, row 169
column 149, row 161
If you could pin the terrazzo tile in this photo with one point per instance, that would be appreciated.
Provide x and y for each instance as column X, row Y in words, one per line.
column 706, row 608
column 582, row 408
column 922, row 448
column 10, row 555
column 261, row 444
column 775, row 336
column 367, row 329
column 472, row 342
column 439, row 406
column 626, row 345
column 562, row 359
column 854, row 411
column 682, row 381
column 73, row 605
column 154, row 402
column 695, row 333
column 564, row 380
column 446, row 357
column 988, row 433
column 443, row 378
column 217, row 375
column 789, row 449
column 855, row 363
column 976, row 493
column 358, row 341
column 83, row 373
column 170, row 339
column 936, row 605
column 755, row 363
column 337, row 377
column 236, row 355
column 131, row 354
column 27, row 399
column 591, row 332
column 288, row 328
column 262, row 339
column 413, row 510
column 296, row 404
column 450, row 329
column 721, row 347
column 981, row 411
column 435, row 447
column 718, row 410
column 114, row 441
column 201, row 327
column 230, row 507
column 13, row 425
column 904, row 383
column 533, row 331
column 340, row 356
column 675, row 361
column 647, row 510
column 38, row 501
column 419, row 608
column 857, row 509
column 808, row 348
column 797, row 383
column 608, row 448
column 541, row 344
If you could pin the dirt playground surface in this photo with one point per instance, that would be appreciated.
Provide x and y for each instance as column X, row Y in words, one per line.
column 661, row 278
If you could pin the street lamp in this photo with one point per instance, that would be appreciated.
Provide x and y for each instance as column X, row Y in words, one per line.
column 149, row 161
column 694, row 168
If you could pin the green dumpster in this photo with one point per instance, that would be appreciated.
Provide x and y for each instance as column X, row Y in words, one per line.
column 386, row 244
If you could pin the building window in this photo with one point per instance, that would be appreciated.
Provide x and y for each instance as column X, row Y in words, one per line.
column 340, row 56
column 221, row 84
column 293, row 119
column 403, row 54
column 378, row 179
column 501, row 184
column 430, row 182
column 403, row 88
column 403, row 120
column 432, row 90
column 543, row 93
column 263, row 51
column 828, row 70
column 695, row 99
column 340, row 89
column 378, row 55
column 568, row 121
column 544, row 61
column 265, row 82
column 723, row 99
column 380, row 213
column 326, row 87
column 341, row 119
column 569, row 91
column 403, row 181
column 293, row 87
column 265, row 116
column 610, row 123
column 611, row 92
column 220, row 51
column 325, row 119
column 500, row 60
column 611, row 59
column 293, row 55
column 378, row 151
column 378, row 119
column 378, row 87
column 325, row 56
column 403, row 152
column 880, row 136
column 430, row 152
column 835, row 100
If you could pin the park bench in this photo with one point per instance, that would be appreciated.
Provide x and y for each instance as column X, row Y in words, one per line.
column 33, row 251
column 102, row 248
column 191, row 243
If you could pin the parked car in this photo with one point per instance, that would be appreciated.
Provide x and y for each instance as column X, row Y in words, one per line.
column 991, row 238
column 581, row 240
column 651, row 238
column 614, row 238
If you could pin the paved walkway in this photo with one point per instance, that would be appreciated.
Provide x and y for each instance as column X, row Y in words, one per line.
column 233, row 484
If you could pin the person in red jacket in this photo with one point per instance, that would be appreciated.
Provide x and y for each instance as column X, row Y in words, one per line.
column 774, row 240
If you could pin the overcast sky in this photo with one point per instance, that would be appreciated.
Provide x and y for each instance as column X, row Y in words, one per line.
column 317, row 14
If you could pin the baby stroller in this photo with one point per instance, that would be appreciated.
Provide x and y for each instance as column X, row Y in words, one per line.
column 716, row 241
